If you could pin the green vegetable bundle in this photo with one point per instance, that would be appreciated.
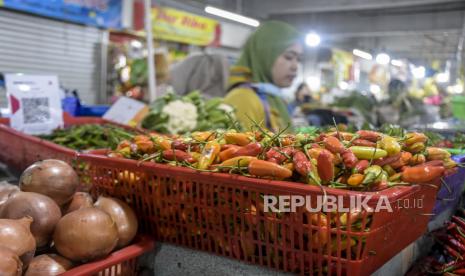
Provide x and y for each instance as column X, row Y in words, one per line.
column 89, row 136
column 174, row 114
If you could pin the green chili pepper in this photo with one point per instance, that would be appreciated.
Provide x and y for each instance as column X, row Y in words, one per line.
column 368, row 152
column 372, row 173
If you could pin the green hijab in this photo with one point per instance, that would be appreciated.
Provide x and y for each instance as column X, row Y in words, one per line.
column 260, row 52
column 264, row 46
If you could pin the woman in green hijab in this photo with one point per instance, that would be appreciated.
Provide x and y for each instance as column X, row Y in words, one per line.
column 269, row 62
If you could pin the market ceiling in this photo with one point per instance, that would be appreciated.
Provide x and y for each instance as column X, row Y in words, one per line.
column 415, row 29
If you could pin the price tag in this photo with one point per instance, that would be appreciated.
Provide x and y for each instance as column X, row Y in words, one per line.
column 127, row 111
column 34, row 102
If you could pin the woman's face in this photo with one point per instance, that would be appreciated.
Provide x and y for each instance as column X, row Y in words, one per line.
column 285, row 67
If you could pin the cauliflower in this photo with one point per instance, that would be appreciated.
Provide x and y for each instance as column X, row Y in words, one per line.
column 228, row 110
column 182, row 116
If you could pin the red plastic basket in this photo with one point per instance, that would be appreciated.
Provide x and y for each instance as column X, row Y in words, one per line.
column 222, row 214
column 19, row 150
column 121, row 262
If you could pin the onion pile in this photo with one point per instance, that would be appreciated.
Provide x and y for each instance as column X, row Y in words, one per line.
column 122, row 215
column 10, row 264
column 85, row 234
column 16, row 235
column 79, row 200
column 42, row 209
column 48, row 264
column 6, row 190
column 31, row 216
column 53, row 178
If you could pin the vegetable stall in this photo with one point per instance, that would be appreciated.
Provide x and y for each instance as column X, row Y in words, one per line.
column 207, row 190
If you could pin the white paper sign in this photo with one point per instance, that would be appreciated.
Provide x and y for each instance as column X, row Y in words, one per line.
column 125, row 110
column 34, row 102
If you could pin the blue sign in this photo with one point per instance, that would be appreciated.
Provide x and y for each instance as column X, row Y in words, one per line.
column 99, row 13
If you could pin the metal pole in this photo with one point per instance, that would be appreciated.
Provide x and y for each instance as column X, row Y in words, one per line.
column 459, row 53
column 150, row 51
column 103, row 95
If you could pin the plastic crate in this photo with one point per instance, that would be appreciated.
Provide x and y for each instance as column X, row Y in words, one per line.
column 19, row 150
column 450, row 193
column 121, row 262
column 92, row 110
column 215, row 212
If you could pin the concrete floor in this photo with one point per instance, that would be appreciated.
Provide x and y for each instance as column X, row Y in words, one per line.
column 168, row 260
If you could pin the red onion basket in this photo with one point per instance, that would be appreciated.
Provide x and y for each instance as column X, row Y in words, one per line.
column 121, row 262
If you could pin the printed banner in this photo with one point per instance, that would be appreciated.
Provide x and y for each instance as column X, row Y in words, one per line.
column 175, row 25
column 99, row 13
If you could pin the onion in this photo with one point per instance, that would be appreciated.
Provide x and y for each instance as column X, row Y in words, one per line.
column 10, row 264
column 16, row 235
column 122, row 215
column 80, row 200
column 6, row 190
column 48, row 264
column 42, row 209
column 85, row 234
column 53, row 178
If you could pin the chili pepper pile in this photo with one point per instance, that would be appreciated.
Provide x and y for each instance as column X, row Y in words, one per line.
column 448, row 253
column 364, row 160
column 89, row 136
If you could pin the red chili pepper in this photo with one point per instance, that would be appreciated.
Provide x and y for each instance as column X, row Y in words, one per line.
column 453, row 265
column 361, row 166
column 460, row 271
column 301, row 163
column 349, row 159
column 405, row 157
column 123, row 144
column 252, row 149
column 458, row 236
column 381, row 185
column 422, row 174
column 315, row 146
column 273, row 160
column 178, row 155
column 325, row 165
column 346, row 136
column 179, row 145
column 386, row 160
column 363, row 143
column 228, row 153
column 459, row 221
column 451, row 226
column 452, row 252
column 369, row 135
column 457, row 244
column 228, row 146
column 264, row 168
column 433, row 163
column 333, row 145
column 287, row 140
column 321, row 137
column 279, row 155
column 453, row 243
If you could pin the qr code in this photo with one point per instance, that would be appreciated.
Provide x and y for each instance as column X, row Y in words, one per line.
column 35, row 110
